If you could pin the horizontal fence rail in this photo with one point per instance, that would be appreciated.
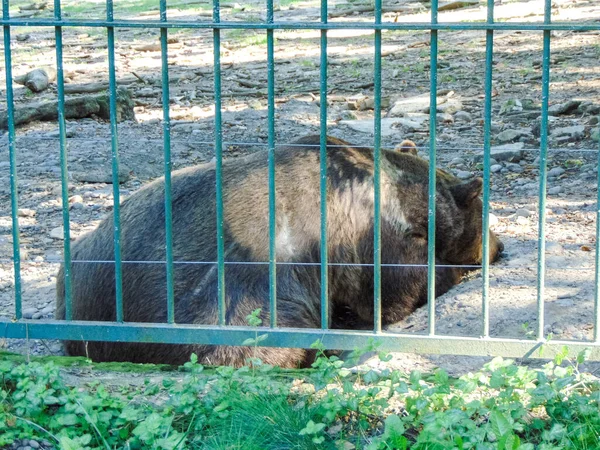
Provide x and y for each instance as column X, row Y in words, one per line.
column 222, row 334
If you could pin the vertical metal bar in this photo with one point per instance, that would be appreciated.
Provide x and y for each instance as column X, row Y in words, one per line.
column 64, row 174
column 487, row 113
column 112, row 85
column 597, row 286
column 14, row 190
column 543, row 171
column 218, row 164
column 432, row 173
column 271, row 144
column 168, row 167
column 377, row 175
column 323, row 187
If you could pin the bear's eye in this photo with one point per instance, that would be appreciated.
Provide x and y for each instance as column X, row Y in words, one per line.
column 417, row 234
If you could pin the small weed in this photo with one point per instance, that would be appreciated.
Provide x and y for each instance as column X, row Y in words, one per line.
column 573, row 163
column 503, row 406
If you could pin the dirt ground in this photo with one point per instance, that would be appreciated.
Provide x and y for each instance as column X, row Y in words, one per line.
column 572, row 163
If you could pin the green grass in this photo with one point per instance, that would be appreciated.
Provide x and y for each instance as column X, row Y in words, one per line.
column 504, row 406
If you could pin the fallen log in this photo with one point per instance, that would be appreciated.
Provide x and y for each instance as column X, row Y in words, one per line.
column 75, row 108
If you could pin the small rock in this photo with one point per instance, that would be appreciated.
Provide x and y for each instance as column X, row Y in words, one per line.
column 564, row 108
column 57, row 233
column 22, row 37
column 37, row 80
column 596, row 135
column 522, row 212
column 511, row 135
column 102, row 175
column 464, row 175
column 575, row 132
column 493, row 219
column 556, row 172
column 28, row 313
column 37, row 315
column 462, row 116
column 445, row 118
column 34, row 444
column 516, row 168
column 24, row 212
column 508, row 152
column 76, row 199
column 449, row 106
column 522, row 220
column 555, row 190
column 511, row 106
column 457, row 161
column 588, row 108
column 38, row 259
column 496, row 168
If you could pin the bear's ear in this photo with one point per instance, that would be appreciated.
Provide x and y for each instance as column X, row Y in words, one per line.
column 407, row 146
column 465, row 193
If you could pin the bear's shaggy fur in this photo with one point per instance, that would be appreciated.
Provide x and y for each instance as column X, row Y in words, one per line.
column 350, row 199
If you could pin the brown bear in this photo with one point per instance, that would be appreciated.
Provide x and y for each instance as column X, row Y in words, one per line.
column 350, row 200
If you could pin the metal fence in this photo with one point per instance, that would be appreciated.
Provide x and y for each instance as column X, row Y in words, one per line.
column 234, row 335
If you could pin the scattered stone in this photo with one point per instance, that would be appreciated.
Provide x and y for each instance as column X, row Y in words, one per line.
column 24, row 212
column 28, row 313
column 462, row 116
column 76, row 199
column 389, row 126
column 564, row 108
column 522, row 220
column 37, row 80
column 420, row 104
column 464, row 175
column 574, row 132
column 496, row 168
column 556, row 172
column 409, row 105
column 57, row 233
column 508, row 152
column 522, row 212
column 555, row 190
column 449, row 106
column 457, row 161
column 596, row 135
column 22, row 37
column 588, row 108
column 445, row 118
column 511, row 135
column 511, row 106
column 512, row 167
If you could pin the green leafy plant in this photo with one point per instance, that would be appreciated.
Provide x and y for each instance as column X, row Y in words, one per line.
column 336, row 404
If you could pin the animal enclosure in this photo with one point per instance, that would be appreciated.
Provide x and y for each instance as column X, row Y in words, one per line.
column 480, row 340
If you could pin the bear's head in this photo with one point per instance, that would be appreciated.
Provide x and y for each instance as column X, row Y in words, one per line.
column 459, row 224
column 466, row 244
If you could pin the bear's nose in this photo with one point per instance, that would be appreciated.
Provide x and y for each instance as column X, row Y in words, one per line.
column 500, row 247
